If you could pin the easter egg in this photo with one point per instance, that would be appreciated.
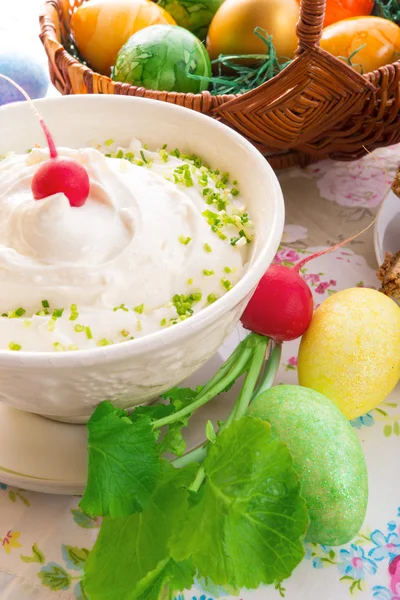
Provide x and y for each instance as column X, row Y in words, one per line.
column 194, row 15
column 337, row 10
column 232, row 29
column 100, row 28
column 327, row 457
column 351, row 351
column 161, row 57
column 27, row 71
column 372, row 42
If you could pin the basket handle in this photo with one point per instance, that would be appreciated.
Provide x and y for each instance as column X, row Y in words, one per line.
column 310, row 24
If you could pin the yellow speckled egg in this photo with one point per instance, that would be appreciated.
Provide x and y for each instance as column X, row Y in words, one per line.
column 351, row 351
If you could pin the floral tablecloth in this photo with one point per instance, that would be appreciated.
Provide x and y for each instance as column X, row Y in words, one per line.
column 44, row 540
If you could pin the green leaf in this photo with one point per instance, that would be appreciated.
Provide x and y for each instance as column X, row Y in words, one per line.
column 37, row 556
column 54, row 577
column 75, row 557
column 246, row 524
column 123, row 463
column 210, row 432
column 154, row 412
column 181, row 397
column 131, row 558
column 173, row 440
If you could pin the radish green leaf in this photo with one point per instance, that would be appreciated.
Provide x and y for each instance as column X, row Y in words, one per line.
column 123, row 463
column 246, row 524
column 131, row 558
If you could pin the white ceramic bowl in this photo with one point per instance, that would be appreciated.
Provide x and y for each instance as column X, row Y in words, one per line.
column 67, row 386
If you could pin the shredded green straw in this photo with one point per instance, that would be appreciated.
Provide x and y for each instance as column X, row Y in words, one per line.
column 245, row 78
column 388, row 9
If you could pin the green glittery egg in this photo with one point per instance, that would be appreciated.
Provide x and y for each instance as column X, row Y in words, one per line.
column 327, row 456
column 164, row 58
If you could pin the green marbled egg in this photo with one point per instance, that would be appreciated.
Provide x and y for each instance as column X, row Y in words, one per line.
column 327, row 456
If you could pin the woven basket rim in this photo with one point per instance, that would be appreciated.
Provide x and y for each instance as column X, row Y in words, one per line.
column 206, row 95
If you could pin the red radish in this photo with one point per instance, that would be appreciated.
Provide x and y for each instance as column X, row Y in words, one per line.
column 282, row 306
column 58, row 174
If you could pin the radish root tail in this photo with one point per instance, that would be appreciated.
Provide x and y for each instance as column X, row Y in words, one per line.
column 303, row 262
column 50, row 141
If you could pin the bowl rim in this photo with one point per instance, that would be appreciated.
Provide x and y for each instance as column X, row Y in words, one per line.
column 172, row 335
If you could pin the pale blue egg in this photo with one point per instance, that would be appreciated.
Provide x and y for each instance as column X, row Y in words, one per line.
column 27, row 71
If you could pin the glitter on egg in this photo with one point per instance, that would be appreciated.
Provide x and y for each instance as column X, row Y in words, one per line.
column 327, row 456
column 351, row 351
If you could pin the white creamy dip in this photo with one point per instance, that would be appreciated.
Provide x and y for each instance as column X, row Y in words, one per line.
column 137, row 257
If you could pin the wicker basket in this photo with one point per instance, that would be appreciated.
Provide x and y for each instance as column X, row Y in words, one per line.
column 317, row 108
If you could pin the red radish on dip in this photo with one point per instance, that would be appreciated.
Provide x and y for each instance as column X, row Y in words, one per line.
column 58, row 174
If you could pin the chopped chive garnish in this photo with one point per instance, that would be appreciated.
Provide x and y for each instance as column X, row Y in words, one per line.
column 51, row 325
column 143, row 156
column 124, row 333
column 109, row 142
column 207, row 248
column 163, row 322
column 79, row 328
column 139, row 309
column 226, row 283
column 197, row 296
column 45, row 304
column 175, row 153
column 89, row 334
column 129, row 156
column 121, row 307
column 165, row 146
column 184, row 240
column 73, row 347
column 14, row 347
column 27, row 323
column 184, row 304
column 211, row 298
column 104, row 342
column 57, row 346
column 207, row 273
column 234, row 192
column 74, row 312
column 20, row 312
column 190, row 281
column 227, row 270
column 57, row 313
column 234, row 182
column 4, row 315
column 164, row 155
